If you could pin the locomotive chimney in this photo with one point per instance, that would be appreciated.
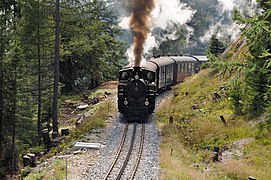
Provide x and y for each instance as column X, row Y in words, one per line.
column 137, row 69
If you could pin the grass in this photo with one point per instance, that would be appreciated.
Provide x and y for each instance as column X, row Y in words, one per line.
column 56, row 172
column 195, row 132
column 175, row 159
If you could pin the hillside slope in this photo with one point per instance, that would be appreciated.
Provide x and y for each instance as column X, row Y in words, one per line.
column 203, row 122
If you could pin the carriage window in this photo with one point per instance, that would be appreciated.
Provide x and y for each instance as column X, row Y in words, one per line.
column 193, row 66
column 182, row 69
column 189, row 67
column 163, row 71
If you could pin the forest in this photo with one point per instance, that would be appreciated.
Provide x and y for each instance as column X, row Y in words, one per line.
column 88, row 53
column 52, row 48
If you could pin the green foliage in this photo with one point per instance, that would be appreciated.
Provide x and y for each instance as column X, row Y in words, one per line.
column 257, row 79
column 90, row 51
column 25, row 171
column 236, row 93
column 56, row 172
column 216, row 47
column 199, row 130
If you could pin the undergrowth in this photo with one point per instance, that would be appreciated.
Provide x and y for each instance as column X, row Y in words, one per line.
column 100, row 113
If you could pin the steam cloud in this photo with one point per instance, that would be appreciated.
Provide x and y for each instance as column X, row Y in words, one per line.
column 167, row 16
column 140, row 21
column 229, row 31
column 164, row 14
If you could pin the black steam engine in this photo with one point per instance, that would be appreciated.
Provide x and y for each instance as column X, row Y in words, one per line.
column 138, row 86
column 136, row 91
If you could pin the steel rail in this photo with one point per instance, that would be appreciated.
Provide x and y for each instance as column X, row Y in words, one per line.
column 119, row 150
column 139, row 151
column 128, row 155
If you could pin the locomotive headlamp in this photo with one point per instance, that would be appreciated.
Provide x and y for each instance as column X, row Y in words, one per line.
column 136, row 76
column 149, row 76
column 124, row 75
column 125, row 102
column 147, row 102
column 152, row 87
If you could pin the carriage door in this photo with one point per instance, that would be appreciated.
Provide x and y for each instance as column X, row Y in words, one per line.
column 162, row 77
column 169, row 74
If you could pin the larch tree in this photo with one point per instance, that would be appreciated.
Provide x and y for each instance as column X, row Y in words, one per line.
column 257, row 31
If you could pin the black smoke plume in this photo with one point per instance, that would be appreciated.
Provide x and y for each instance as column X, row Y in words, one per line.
column 140, row 21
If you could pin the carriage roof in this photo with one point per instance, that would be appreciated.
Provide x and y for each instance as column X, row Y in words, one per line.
column 179, row 59
column 162, row 61
column 146, row 65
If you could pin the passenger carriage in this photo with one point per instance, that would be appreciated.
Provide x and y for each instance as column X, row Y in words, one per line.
column 138, row 85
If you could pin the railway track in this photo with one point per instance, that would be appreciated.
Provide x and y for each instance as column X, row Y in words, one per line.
column 129, row 148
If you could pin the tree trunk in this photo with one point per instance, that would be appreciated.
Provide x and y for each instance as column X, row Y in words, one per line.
column 14, row 106
column 56, row 73
column 39, row 83
column 1, row 98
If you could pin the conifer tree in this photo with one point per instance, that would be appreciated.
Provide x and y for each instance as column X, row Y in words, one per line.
column 90, row 52
column 258, row 81
column 36, row 44
column 216, row 47
column 5, row 18
column 1, row 91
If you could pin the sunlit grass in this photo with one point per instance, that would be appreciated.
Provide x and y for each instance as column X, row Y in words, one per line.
column 57, row 171
column 195, row 132
column 176, row 161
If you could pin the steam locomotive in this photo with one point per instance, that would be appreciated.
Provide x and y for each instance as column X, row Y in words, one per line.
column 138, row 86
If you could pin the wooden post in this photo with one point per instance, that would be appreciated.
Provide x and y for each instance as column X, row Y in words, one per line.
column 223, row 120
column 65, row 132
column 171, row 120
column 216, row 95
column 66, row 169
column 46, row 139
column 33, row 159
column 26, row 160
column 216, row 153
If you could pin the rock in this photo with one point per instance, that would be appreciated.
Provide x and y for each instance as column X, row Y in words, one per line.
column 87, row 145
column 107, row 93
column 82, row 107
column 79, row 120
column 195, row 106
column 77, row 152
column 251, row 178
